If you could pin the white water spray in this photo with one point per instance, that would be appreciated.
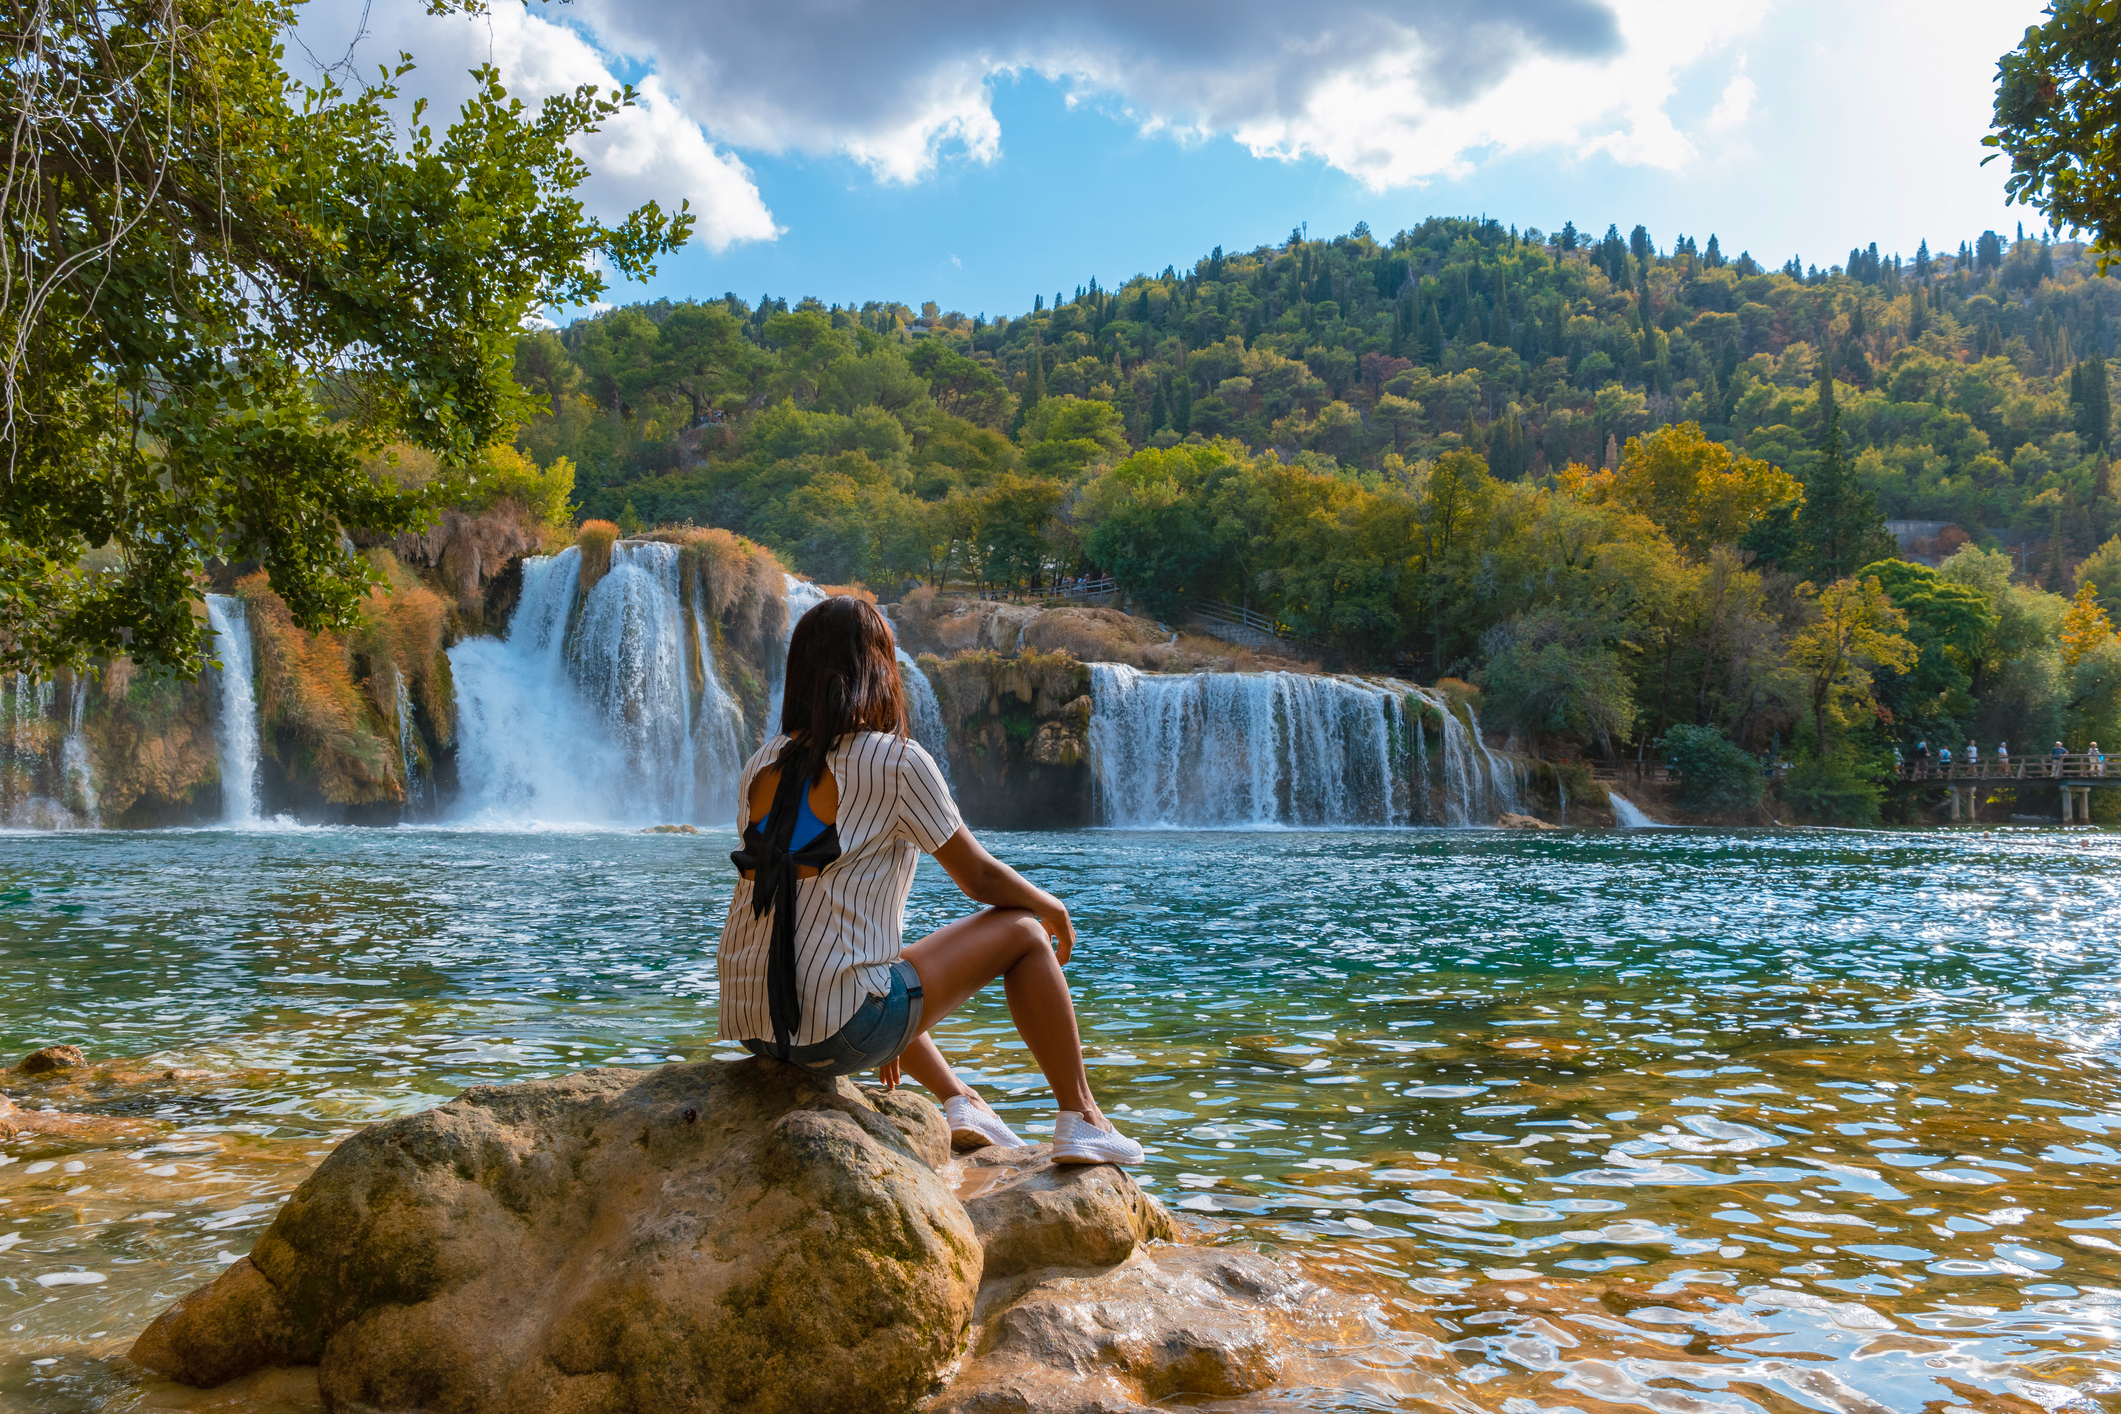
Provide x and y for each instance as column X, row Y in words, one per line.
column 235, row 710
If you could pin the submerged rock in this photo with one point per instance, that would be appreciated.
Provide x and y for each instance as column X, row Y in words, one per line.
column 709, row 1237
column 50, row 1059
column 1509, row 821
column 1170, row 1322
column 1030, row 1212
column 671, row 830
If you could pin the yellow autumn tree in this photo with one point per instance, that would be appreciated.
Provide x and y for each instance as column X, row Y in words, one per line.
column 2084, row 625
column 1856, row 631
column 1698, row 490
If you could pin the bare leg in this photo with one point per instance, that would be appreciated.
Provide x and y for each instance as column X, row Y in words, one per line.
column 954, row 962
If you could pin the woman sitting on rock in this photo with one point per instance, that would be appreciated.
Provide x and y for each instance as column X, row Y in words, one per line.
column 837, row 812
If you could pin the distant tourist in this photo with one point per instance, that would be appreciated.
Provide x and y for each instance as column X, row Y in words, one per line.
column 1922, row 759
column 2054, row 759
column 1944, row 761
column 2095, row 761
column 838, row 809
column 2003, row 758
column 1973, row 759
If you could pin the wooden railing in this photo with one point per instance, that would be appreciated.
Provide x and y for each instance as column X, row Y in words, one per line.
column 2074, row 765
column 1066, row 591
column 1249, row 627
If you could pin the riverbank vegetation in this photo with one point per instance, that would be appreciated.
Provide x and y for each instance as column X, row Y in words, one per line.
column 1626, row 486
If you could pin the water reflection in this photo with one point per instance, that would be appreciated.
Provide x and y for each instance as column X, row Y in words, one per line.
column 1673, row 1121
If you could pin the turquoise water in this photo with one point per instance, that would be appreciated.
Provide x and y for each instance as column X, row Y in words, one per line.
column 1767, row 1121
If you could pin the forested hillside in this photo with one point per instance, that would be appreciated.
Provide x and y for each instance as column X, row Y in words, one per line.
column 1614, row 481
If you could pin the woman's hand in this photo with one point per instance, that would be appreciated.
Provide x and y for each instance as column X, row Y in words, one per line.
column 890, row 1073
column 1062, row 928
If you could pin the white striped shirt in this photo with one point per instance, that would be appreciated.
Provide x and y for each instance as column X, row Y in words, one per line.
column 850, row 919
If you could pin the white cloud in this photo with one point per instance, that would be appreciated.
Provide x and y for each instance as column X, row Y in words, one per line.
column 653, row 151
column 1390, row 93
column 1736, row 105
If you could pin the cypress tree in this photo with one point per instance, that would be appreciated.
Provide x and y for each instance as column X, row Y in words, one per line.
column 1036, row 389
column 1182, row 405
column 1839, row 529
column 2090, row 398
column 1159, row 415
column 1431, row 336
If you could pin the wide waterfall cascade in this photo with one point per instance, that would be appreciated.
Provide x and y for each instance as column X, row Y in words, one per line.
column 1238, row 750
column 589, row 711
column 235, row 710
column 926, row 713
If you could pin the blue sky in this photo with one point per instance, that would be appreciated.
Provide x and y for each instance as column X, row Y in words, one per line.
column 978, row 153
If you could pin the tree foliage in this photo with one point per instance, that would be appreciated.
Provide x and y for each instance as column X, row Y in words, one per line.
column 218, row 290
column 2058, row 119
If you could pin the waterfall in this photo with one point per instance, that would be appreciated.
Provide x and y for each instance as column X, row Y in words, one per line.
column 235, row 710
column 418, row 791
column 800, row 596
column 719, row 745
column 1626, row 813
column 1505, row 783
column 1217, row 750
column 589, row 712
column 29, row 790
column 73, row 756
column 1237, row 750
column 925, row 712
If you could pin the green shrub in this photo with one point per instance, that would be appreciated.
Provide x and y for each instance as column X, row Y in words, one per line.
column 1714, row 774
column 1839, row 789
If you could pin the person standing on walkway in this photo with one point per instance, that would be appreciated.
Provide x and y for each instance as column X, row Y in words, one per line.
column 2054, row 759
column 1922, row 760
column 1944, row 762
column 2095, row 761
column 1973, row 758
column 2003, row 758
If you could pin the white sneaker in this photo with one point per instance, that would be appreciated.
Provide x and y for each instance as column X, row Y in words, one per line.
column 1077, row 1141
column 974, row 1126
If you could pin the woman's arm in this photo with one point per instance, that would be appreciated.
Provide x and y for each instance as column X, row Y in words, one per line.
column 986, row 879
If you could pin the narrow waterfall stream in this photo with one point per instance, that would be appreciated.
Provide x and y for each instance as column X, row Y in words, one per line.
column 1237, row 750
column 235, row 710
column 79, row 772
column 925, row 712
column 801, row 596
column 597, row 708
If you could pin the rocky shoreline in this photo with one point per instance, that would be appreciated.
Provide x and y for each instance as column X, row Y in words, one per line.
column 729, row 1236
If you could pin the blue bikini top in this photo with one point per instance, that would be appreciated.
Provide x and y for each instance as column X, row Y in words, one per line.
column 807, row 826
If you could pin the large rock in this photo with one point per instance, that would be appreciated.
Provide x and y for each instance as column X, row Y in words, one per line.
column 1170, row 1322
column 50, row 1059
column 709, row 1237
column 1030, row 1212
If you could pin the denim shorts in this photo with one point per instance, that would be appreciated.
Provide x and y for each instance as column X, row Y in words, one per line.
column 879, row 1029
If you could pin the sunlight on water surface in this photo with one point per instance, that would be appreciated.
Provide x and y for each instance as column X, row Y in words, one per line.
column 1659, row 1120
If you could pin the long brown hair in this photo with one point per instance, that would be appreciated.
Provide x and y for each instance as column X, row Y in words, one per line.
column 842, row 677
